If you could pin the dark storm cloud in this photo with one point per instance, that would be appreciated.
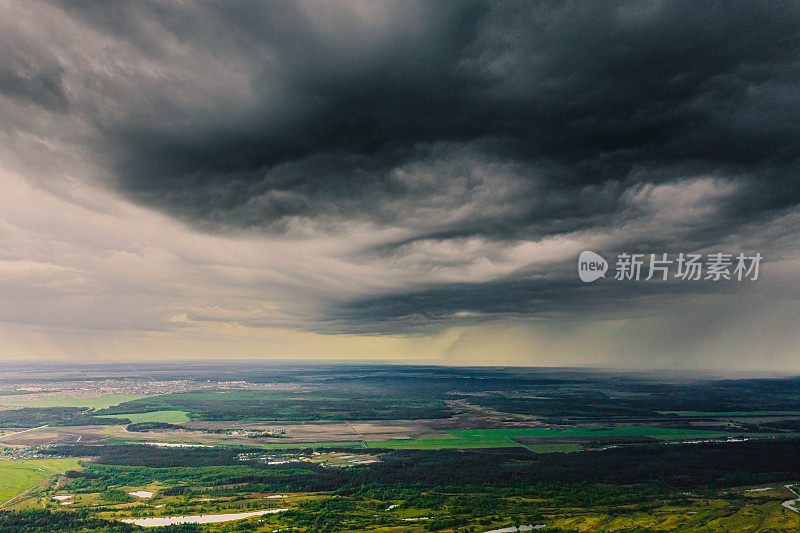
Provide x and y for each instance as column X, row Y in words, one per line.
column 343, row 97
column 635, row 92
column 26, row 78
column 451, row 121
column 465, row 302
column 563, row 298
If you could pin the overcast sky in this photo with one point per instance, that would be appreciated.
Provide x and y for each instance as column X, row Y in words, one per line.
column 398, row 180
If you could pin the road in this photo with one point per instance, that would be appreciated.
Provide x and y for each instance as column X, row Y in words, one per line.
column 792, row 504
column 23, row 431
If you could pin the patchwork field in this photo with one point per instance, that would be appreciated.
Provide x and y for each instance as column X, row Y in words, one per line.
column 385, row 449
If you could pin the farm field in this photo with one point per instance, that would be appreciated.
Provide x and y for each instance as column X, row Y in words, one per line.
column 731, row 413
column 501, row 438
column 17, row 476
column 100, row 402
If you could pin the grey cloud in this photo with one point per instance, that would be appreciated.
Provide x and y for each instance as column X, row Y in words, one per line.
column 23, row 78
column 444, row 121
column 336, row 98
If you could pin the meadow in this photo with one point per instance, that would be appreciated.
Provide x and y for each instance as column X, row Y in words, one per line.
column 17, row 476
column 511, row 437
column 99, row 402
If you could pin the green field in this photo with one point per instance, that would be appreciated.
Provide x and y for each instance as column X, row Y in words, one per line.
column 502, row 438
column 17, row 476
column 563, row 447
column 479, row 438
column 627, row 431
column 101, row 402
column 730, row 413
column 303, row 445
column 440, row 444
column 170, row 417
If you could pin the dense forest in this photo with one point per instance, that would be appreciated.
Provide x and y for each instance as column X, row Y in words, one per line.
column 40, row 520
column 677, row 466
column 30, row 417
column 258, row 405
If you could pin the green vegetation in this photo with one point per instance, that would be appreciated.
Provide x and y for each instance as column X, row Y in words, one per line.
column 730, row 413
column 597, row 432
column 594, row 398
column 31, row 417
column 100, row 402
column 668, row 486
column 43, row 521
column 504, row 438
column 684, row 466
column 575, row 450
column 169, row 417
column 310, row 445
column 17, row 476
column 563, row 447
column 151, row 426
column 259, row 405
column 116, row 496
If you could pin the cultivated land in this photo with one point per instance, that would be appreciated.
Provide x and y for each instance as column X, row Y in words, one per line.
column 372, row 448
column 18, row 476
column 99, row 402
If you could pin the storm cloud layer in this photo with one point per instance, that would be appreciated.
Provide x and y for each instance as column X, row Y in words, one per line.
column 407, row 167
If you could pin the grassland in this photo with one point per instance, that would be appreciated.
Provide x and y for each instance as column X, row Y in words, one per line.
column 504, row 438
column 626, row 431
column 101, row 402
column 17, row 476
column 730, row 413
column 170, row 417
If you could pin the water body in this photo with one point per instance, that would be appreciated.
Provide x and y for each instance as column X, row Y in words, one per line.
column 196, row 519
